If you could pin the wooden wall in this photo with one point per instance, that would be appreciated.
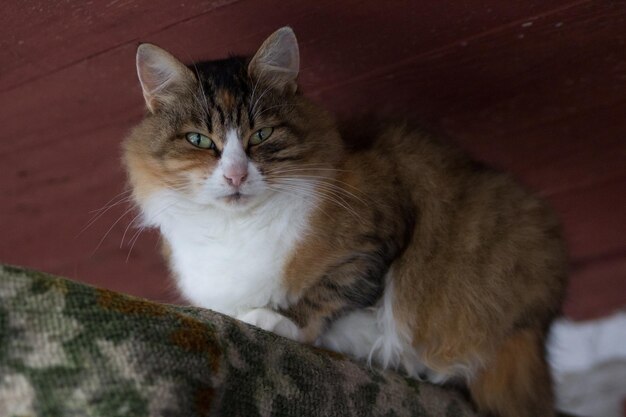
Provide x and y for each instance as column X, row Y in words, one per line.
column 534, row 87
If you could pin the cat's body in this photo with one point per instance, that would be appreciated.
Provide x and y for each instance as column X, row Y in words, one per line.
column 402, row 251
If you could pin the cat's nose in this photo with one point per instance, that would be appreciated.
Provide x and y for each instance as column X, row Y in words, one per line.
column 235, row 177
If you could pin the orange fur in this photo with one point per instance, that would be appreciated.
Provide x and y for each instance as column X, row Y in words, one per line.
column 485, row 260
column 227, row 98
column 516, row 382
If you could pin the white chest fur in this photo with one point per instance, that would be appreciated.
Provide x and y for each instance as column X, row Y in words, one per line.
column 230, row 262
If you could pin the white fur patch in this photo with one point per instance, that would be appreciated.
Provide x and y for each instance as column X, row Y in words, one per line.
column 588, row 361
column 228, row 260
column 272, row 321
column 373, row 334
column 233, row 154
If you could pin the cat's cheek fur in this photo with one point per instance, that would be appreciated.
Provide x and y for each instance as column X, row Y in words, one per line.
column 272, row 321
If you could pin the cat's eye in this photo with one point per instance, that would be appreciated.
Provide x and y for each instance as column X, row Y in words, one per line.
column 199, row 141
column 260, row 135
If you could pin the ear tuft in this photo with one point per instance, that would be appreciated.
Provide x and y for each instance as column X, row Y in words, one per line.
column 277, row 62
column 161, row 75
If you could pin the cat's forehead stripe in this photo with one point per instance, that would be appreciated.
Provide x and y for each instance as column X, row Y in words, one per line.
column 238, row 114
column 227, row 88
column 227, row 98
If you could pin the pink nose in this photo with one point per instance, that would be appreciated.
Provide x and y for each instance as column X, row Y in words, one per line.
column 235, row 178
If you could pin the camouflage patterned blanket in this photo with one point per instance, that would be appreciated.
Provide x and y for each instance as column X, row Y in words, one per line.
column 68, row 349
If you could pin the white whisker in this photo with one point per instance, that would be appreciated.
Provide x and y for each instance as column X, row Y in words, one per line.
column 135, row 236
column 326, row 194
column 326, row 183
column 103, row 210
column 128, row 227
column 111, row 228
column 277, row 188
column 254, row 109
column 257, row 115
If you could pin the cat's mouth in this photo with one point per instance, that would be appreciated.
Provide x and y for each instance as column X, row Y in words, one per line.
column 236, row 198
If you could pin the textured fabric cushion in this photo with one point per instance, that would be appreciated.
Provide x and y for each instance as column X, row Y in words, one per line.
column 67, row 349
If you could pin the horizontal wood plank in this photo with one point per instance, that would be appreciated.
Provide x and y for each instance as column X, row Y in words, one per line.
column 597, row 289
column 63, row 34
column 39, row 37
column 594, row 218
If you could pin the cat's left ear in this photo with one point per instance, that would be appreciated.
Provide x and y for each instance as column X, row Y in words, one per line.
column 277, row 62
column 161, row 75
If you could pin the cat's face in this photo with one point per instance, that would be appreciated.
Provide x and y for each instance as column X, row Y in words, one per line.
column 230, row 133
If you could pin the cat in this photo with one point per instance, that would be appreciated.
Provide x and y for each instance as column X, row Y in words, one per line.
column 401, row 250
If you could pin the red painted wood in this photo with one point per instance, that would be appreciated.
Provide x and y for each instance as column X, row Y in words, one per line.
column 41, row 37
column 561, row 155
column 537, row 88
column 594, row 218
column 38, row 28
column 566, row 62
column 596, row 289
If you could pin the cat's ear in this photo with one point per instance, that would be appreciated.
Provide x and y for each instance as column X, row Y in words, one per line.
column 277, row 61
column 161, row 75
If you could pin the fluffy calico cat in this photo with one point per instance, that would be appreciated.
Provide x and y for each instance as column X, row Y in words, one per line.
column 401, row 250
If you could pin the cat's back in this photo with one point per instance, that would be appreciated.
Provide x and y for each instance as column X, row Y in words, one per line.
column 439, row 176
column 464, row 210
column 397, row 162
column 475, row 226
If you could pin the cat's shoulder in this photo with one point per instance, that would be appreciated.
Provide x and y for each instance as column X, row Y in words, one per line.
column 362, row 133
column 402, row 139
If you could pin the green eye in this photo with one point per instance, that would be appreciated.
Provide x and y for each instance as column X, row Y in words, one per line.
column 260, row 135
column 199, row 141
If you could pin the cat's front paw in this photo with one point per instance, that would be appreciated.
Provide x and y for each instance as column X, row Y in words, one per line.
column 271, row 321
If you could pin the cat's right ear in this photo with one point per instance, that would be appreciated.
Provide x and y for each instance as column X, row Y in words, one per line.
column 161, row 75
column 277, row 62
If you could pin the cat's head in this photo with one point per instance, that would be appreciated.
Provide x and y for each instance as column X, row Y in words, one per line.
column 230, row 133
